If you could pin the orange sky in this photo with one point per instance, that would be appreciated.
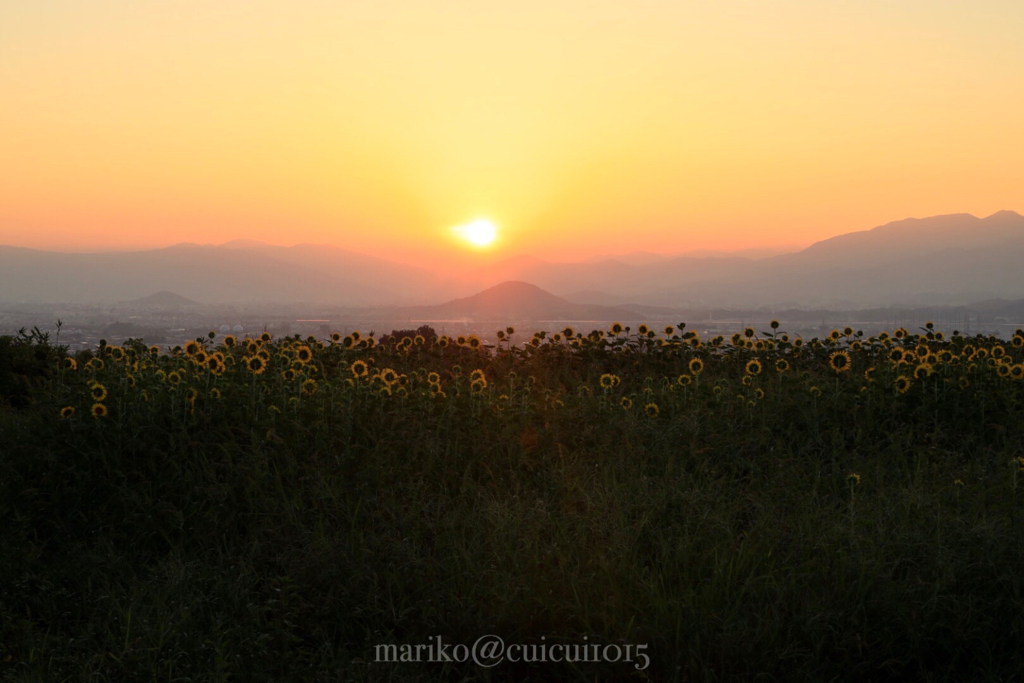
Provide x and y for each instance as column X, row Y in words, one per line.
column 578, row 127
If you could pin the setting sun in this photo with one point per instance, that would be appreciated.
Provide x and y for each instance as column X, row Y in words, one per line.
column 480, row 232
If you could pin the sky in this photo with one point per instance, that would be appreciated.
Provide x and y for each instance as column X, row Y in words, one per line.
column 576, row 127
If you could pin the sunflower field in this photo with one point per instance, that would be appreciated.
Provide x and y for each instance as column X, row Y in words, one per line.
column 755, row 507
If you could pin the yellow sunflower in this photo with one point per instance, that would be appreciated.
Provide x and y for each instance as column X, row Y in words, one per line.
column 256, row 365
column 839, row 361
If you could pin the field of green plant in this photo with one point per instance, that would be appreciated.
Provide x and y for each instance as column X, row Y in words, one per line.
column 755, row 508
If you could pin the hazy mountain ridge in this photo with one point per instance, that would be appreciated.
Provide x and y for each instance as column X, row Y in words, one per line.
column 951, row 259
column 517, row 301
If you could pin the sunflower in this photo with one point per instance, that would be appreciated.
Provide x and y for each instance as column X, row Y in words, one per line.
column 839, row 361
column 834, row 335
column 434, row 378
column 651, row 409
column 569, row 333
column 215, row 363
column 684, row 380
column 192, row 348
column 256, row 364
column 964, row 382
column 815, row 392
column 70, row 364
column 303, row 354
column 946, row 356
column 288, row 375
column 754, row 367
column 869, row 374
column 643, row 330
column 896, row 355
column 923, row 370
column 389, row 376
column 99, row 410
column 477, row 386
column 98, row 392
column 759, row 393
column 266, row 337
column 696, row 366
column 359, row 368
column 477, row 375
column 1017, row 371
column 782, row 365
column 67, row 411
column 200, row 357
column 615, row 329
column 419, row 340
column 215, row 392
column 899, row 333
column 903, row 384
column 608, row 381
column 626, row 402
column 309, row 387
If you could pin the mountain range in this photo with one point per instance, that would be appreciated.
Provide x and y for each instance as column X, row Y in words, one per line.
column 952, row 259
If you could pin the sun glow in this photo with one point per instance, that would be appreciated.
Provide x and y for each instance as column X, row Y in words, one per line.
column 480, row 232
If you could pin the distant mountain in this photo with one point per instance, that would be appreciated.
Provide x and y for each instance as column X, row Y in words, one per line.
column 239, row 272
column 942, row 260
column 951, row 259
column 164, row 300
column 511, row 301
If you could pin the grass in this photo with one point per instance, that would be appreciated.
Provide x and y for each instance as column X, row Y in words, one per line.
column 832, row 529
